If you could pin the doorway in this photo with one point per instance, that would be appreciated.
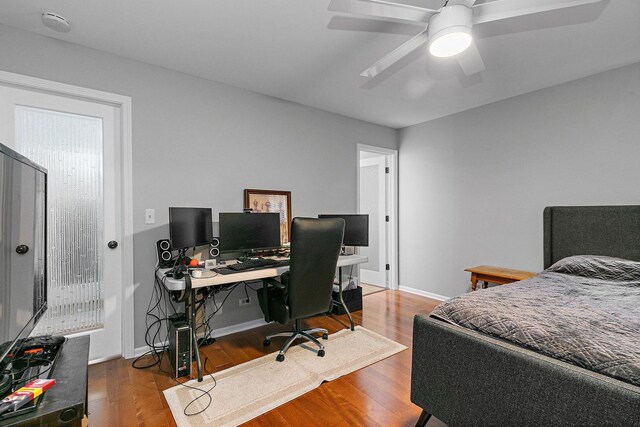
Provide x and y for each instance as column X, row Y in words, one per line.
column 80, row 143
column 377, row 178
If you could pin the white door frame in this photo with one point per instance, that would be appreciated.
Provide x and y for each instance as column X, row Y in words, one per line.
column 392, row 205
column 123, row 103
column 377, row 276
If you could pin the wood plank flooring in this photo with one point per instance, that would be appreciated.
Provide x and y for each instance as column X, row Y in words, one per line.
column 368, row 289
column 377, row 395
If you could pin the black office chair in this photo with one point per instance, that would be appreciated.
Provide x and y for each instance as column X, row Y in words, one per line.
column 305, row 290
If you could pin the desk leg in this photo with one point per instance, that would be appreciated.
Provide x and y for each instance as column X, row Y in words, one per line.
column 342, row 300
column 474, row 281
column 194, row 338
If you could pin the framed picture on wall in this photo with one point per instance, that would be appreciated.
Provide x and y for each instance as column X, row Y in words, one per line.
column 272, row 201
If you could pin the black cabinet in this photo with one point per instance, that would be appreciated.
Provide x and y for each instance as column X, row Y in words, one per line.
column 66, row 403
column 352, row 299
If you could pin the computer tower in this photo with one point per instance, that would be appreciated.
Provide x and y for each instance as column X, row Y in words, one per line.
column 180, row 347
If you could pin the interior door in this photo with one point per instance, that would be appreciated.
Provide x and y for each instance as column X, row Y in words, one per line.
column 77, row 142
column 373, row 202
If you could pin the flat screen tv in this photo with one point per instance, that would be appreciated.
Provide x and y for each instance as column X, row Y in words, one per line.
column 23, row 260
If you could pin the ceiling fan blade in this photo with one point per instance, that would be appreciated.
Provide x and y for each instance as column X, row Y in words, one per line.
column 467, row 3
column 470, row 60
column 497, row 10
column 382, row 9
column 396, row 55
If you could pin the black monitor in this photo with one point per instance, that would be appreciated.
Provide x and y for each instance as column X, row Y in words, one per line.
column 249, row 232
column 190, row 227
column 356, row 228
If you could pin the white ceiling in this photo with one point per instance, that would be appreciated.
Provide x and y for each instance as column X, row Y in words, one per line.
column 298, row 51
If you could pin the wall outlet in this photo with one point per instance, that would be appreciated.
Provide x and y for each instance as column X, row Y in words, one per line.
column 150, row 216
column 245, row 301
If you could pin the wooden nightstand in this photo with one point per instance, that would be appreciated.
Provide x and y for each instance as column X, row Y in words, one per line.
column 497, row 275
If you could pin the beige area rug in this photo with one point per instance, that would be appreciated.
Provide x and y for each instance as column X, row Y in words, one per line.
column 368, row 289
column 245, row 391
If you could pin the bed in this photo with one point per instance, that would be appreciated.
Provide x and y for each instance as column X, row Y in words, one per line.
column 466, row 375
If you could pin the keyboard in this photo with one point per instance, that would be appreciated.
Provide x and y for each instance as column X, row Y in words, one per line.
column 252, row 264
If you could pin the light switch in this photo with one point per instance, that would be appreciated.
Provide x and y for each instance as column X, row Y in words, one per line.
column 150, row 216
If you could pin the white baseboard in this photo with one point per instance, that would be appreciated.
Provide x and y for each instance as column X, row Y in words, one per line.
column 227, row 330
column 139, row 351
column 423, row 293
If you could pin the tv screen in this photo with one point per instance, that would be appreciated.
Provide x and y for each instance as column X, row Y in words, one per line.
column 356, row 228
column 23, row 292
column 247, row 232
column 190, row 227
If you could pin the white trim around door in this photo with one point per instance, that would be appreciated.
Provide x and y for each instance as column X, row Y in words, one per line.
column 123, row 103
column 392, row 205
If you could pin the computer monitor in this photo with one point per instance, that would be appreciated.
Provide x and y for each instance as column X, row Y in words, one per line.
column 249, row 232
column 190, row 227
column 356, row 228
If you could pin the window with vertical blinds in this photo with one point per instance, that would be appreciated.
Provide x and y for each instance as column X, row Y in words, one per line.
column 71, row 148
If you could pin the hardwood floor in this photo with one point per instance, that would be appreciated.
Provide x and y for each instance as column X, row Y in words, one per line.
column 377, row 395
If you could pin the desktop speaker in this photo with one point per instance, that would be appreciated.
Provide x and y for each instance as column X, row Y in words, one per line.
column 214, row 249
column 165, row 256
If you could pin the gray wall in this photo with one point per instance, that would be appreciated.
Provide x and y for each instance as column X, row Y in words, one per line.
column 200, row 143
column 473, row 185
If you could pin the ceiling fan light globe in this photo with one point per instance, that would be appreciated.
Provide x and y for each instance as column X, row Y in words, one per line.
column 450, row 43
column 450, row 31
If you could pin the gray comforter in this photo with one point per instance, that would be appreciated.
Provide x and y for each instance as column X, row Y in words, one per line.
column 583, row 310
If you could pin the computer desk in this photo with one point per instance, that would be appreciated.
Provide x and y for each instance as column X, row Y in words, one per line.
column 192, row 284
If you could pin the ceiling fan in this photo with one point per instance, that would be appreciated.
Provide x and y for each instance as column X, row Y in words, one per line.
column 448, row 31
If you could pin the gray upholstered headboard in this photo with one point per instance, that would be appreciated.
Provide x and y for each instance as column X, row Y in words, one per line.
column 591, row 230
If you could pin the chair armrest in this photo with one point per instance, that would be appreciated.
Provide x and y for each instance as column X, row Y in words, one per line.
column 273, row 282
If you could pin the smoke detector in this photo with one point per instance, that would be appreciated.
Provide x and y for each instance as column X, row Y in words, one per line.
column 56, row 22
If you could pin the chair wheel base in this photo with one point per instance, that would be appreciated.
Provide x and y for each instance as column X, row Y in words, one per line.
column 266, row 343
column 325, row 336
column 320, row 353
column 280, row 358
